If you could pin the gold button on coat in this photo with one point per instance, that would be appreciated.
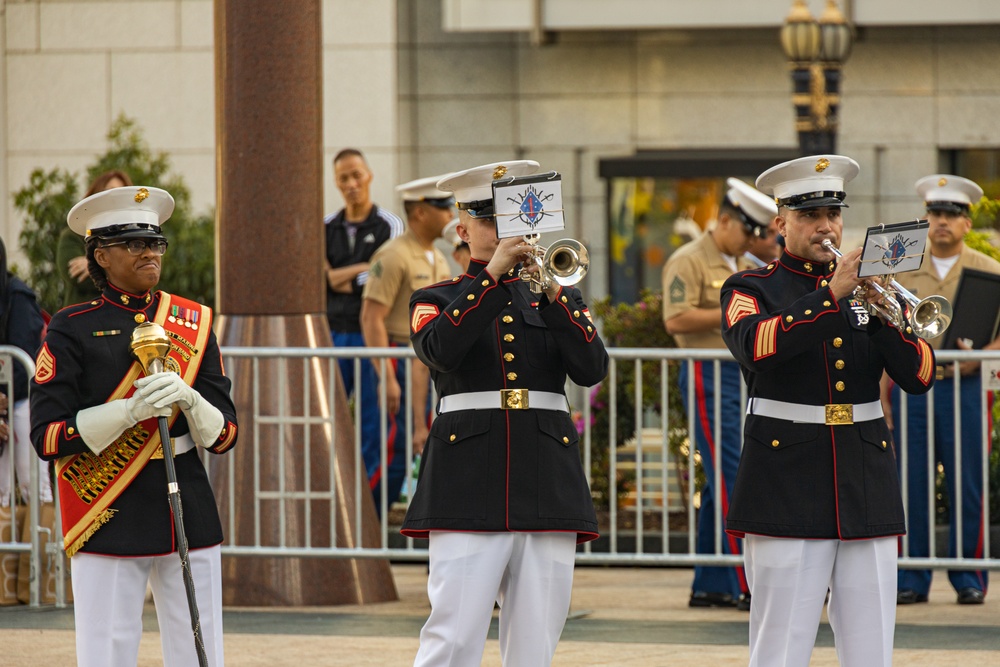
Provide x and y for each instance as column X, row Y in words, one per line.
column 827, row 304
column 840, row 364
column 576, row 313
column 471, row 297
column 807, row 266
column 563, row 299
column 452, row 437
column 508, row 337
column 823, row 283
column 486, row 283
column 809, row 312
column 566, row 440
column 507, row 319
column 508, row 357
column 840, row 386
column 838, row 341
column 775, row 443
column 511, row 376
column 455, row 312
column 789, row 318
column 884, row 444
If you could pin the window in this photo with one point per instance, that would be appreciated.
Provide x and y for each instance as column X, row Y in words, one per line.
column 658, row 201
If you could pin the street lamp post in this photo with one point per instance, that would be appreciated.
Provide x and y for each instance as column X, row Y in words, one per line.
column 816, row 50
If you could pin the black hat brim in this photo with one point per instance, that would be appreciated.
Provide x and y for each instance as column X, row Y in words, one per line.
column 820, row 202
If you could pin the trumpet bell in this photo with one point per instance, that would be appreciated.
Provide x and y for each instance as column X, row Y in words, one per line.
column 931, row 316
column 566, row 262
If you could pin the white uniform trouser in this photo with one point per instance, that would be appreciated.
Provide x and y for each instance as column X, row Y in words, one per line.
column 23, row 454
column 108, row 597
column 530, row 575
column 789, row 579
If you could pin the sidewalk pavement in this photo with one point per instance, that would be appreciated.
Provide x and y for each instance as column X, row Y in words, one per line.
column 620, row 616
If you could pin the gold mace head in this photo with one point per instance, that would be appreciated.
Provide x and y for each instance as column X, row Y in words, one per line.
column 150, row 346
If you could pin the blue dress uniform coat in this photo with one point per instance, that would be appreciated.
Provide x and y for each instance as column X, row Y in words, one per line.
column 503, row 470
column 89, row 348
column 797, row 344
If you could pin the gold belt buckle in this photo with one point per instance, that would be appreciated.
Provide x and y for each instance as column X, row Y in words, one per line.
column 158, row 452
column 514, row 399
column 839, row 414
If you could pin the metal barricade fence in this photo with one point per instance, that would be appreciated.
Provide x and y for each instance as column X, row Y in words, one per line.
column 10, row 355
column 645, row 519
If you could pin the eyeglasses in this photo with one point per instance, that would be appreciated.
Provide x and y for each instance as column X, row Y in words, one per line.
column 138, row 246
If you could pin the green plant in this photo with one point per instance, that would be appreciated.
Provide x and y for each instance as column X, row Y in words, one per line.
column 637, row 324
column 188, row 267
column 985, row 213
column 45, row 201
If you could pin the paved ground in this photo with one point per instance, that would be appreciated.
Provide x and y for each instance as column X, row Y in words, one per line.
column 634, row 617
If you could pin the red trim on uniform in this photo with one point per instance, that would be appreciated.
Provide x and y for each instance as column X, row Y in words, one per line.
column 587, row 335
column 51, row 443
column 701, row 401
column 741, row 305
column 983, row 495
column 833, row 444
column 424, row 533
column 766, row 340
column 93, row 306
column 227, row 440
column 392, row 432
column 423, row 313
column 479, row 299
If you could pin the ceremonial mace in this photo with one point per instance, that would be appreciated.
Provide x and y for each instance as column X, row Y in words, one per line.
column 150, row 346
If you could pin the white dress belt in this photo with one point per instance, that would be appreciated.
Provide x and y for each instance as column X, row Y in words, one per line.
column 181, row 444
column 504, row 399
column 832, row 414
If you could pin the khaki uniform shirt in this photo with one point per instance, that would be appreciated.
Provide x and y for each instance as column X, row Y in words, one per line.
column 693, row 278
column 924, row 282
column 399, row 268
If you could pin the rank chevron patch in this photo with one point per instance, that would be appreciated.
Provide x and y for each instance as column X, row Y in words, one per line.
column 45, row 365
column 740, row 306
column 422, row 314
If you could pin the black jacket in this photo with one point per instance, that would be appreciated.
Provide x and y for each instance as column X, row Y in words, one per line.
column 503, row 470
column 88, row 345
column 20, row 312
column 344, row 310
column 797, row 344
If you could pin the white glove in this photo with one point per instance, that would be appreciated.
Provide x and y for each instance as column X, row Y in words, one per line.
column 166, row 389
column 101, row 425
column 140, row 410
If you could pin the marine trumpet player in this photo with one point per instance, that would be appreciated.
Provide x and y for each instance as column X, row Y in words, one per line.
column 817, row 495
column 503, row 497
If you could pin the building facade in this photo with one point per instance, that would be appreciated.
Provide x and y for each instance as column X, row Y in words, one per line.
column 606, row 92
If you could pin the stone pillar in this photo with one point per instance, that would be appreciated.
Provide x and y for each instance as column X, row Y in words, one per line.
column 271, row 292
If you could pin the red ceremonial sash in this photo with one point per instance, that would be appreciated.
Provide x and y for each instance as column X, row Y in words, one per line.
column 90, row 483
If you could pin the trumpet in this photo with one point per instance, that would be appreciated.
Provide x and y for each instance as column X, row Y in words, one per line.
column 565, row 263
column 928, row 318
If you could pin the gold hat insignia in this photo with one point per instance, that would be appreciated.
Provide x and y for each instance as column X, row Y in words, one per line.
column 942, row 182
column 141, row 195
column 499, row 172
column 822, row 164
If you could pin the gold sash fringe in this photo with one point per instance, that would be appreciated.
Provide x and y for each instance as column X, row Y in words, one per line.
column 99, row 521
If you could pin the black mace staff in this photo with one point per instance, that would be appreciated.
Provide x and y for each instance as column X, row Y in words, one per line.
column 150, row 346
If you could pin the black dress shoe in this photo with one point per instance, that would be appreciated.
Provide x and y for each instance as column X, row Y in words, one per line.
column 743, row 604
column 703, row 599
column 908, row 596
column 971, row 596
